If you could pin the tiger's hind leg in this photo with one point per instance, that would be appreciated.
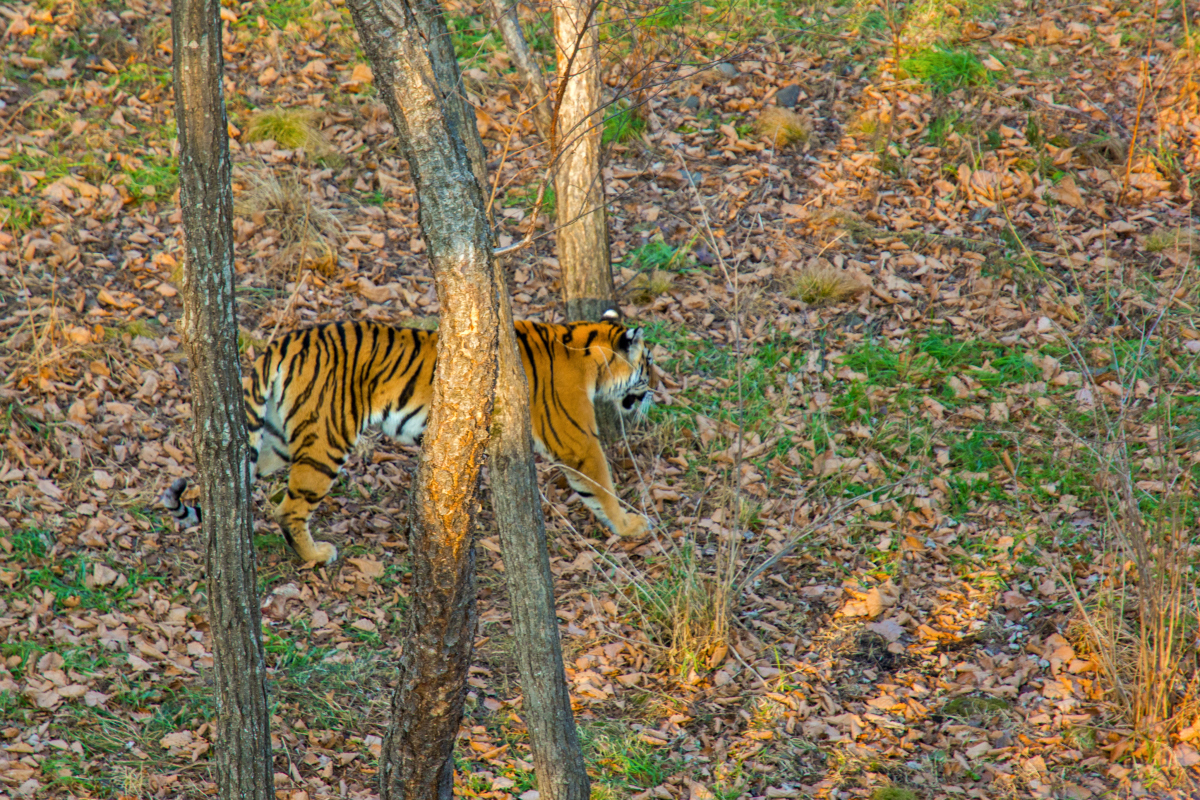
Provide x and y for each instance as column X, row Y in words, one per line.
column 308, row 484
column 591, row 478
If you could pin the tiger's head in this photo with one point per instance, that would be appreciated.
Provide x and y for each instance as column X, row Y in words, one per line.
column 628, row 379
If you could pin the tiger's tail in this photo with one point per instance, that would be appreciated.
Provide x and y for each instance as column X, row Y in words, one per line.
column 172, row 500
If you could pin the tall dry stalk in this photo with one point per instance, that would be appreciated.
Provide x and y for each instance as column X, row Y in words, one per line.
column 1143, row 624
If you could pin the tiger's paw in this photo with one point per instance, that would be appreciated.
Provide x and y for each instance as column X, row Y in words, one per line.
column 325, row 553
column 633, row 526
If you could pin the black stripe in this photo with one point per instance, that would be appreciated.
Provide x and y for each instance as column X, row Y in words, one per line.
column 309, row 461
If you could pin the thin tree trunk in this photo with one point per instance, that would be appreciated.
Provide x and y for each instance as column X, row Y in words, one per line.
column 460, row 115
column 417, row 761
column 557, row 757
column 582, row 220
column 505, row 14
column 243, row 752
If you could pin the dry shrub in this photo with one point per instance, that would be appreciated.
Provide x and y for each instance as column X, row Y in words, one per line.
column 818, row 282
column 308, row 233
column 39, row 344
column 781, row 127
column 44, row 339
column 1144, row 641
column 683, row 608
column 650, row 285
column 1142, row 625
column 1178, row 244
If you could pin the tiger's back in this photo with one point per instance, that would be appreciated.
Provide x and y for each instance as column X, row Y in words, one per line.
column 314, row 391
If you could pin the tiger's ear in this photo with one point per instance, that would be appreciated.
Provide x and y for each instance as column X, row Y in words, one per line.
column 612, row 314
column 631, row 337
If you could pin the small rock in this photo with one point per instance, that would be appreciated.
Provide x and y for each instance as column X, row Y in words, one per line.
column 692, row 103
column 788, row 96
column 727, row 69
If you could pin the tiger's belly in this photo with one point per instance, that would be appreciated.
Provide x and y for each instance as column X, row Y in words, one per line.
column 405, row 426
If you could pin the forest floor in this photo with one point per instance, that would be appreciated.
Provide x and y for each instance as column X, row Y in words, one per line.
column 928, row 374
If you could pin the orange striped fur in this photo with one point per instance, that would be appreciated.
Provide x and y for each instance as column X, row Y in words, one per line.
column 315, row 390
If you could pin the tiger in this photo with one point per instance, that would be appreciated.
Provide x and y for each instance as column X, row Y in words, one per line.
column 314, row 391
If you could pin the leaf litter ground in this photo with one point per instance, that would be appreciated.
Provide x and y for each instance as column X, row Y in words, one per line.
column 892, row 468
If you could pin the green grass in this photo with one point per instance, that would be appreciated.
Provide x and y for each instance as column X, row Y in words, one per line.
column 278, row 13
column 65, row 577
column 622, row 764
column 671, row 14
column 473, row 38
column 657, row 254
column 288, row 127
column 139, row 76
column 108, row 738
column 946, row 69
column 527, row 196
column 153, row 181
column 324, row 693
column 622, row 125
column 941, row 127
column 18, row 215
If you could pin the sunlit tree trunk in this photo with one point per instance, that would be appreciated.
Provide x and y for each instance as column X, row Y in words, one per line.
column 243, row 745
column 504, row 12
column 433, row 120
column 400, row 39
column 582, row 220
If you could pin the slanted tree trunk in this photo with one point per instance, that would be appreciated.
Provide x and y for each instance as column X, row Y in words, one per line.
column 582, row 220
column 557, row 757
column 417, row 761
column 433, row 118
column 505, row 14
column 243, row 748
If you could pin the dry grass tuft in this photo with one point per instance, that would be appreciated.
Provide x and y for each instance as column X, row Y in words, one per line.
column 781, row 127
column 307, row 233
column 291, row 128
column 1184, row 241
column 684, row 609
column 650, row 285
column 818, row 283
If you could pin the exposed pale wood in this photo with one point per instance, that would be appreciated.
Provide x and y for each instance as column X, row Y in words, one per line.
column 430, row 116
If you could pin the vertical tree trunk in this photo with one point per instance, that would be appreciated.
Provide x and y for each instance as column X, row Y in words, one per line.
column 505, row 14
column 557, row 757
column 243, row 755
column 582, row 219
column 428, row 115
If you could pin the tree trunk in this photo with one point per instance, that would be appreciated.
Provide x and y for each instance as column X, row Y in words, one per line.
column 243, row 755
column 582, row 220
column 557, row 757
column 505, row 14
column 428, row 115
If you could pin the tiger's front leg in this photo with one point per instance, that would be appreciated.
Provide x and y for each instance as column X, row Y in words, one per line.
column 592, row 480
column 308, row 484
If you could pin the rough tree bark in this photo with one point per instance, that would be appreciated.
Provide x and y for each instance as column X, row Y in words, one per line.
column 243, row 753
column 582, row 220
column 505, row 14
column 417, row 761
column 557, row 757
